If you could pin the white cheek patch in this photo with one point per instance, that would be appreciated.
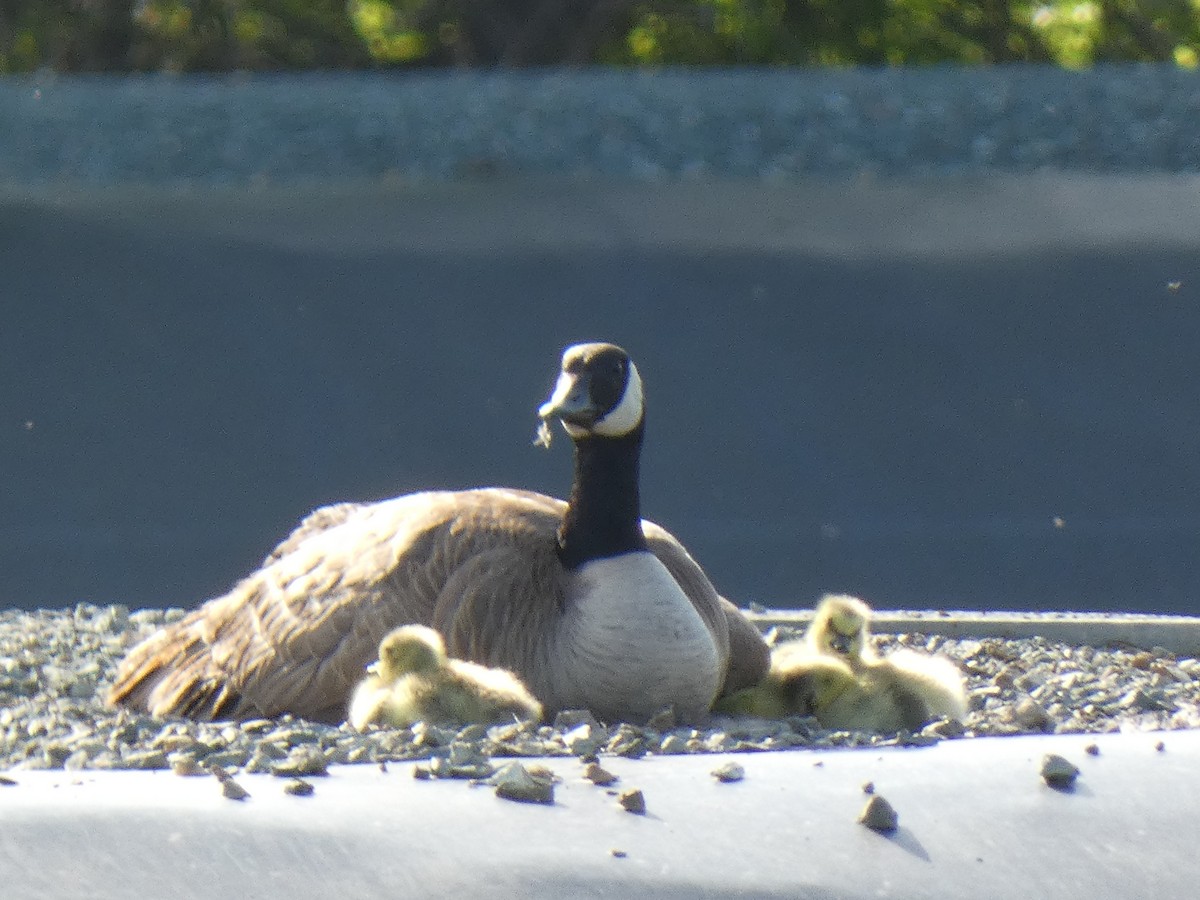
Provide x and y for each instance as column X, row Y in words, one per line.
column 625, row 415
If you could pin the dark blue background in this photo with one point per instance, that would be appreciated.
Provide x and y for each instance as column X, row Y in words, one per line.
column 887, row 388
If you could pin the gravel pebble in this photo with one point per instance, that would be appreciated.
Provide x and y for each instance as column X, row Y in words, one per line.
column 1058, row 772
column 233, row 790
column 879, row 815
column 48, row 722
column 598, row 775
column 728, row 772
column 526, row 785
column 633, row 801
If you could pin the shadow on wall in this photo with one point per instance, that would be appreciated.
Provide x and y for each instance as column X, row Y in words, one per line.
column 1011, row 431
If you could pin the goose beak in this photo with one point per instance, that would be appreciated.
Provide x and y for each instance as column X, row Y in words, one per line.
column 571, row 401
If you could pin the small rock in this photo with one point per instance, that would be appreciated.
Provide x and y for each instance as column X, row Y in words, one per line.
column 633, row 748
column 632, row 801
column 5, row 781
column 673, row 745
column 572, row 718
column 146, row 759
column 1092, row 750
column 907, row 739
column 945, row 728
column 233, row 790
column 879, row 815
column 1160, row 746
column 298, row 787
column 232, row 759
column 1030, row 714
column 187, row 767
column 868, row 787
column 663, row 720
column 461, row 761
column 728, row 772
column 1058, row 772
column 619, row 854
column 515, row 782
column 598, row 775
column 584, row 739
column 1140, row 699
column 306, row 759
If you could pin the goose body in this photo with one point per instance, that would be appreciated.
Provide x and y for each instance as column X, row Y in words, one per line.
column 589, row 605
column 414, row 681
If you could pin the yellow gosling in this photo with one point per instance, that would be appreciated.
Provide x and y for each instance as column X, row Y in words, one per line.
column 920, row 687
column 841, row 626
column 414, row 681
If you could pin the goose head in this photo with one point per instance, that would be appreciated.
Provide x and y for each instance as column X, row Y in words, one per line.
column 598, row 394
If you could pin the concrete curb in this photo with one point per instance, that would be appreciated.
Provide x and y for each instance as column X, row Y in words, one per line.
column 1178, row 634
column 976, row 820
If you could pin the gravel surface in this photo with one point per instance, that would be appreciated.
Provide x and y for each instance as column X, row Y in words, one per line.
column 732, row 123
column 55, row 666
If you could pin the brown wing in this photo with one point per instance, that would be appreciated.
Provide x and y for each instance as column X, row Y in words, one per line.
column 749, row 655
column 318, row 520
column 295, row 635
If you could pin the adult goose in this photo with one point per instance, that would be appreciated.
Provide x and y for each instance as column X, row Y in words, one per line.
column 587, row 604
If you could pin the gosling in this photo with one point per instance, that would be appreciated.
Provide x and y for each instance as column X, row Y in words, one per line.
column 799, row 683
column 414, row 681
column 926, row 687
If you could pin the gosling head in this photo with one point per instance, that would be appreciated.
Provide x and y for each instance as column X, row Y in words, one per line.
column 840, row 626
column 413, row 649
column 598, row 394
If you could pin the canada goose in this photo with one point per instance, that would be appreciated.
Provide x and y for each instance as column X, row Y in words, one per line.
column 414, row 681
column 590, row 606
column 927, row 687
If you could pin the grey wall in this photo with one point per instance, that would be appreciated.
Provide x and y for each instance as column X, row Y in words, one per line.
column 887, row 384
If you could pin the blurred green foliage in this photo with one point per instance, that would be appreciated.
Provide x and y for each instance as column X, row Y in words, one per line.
column 223, row 35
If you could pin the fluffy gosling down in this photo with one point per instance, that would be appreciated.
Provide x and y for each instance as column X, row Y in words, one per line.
column 835, row 675
column 414, row 681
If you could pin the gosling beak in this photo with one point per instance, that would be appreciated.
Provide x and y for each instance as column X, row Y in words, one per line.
column 841, row 643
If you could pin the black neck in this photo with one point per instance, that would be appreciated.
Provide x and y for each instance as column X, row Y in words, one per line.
column 603, row 516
